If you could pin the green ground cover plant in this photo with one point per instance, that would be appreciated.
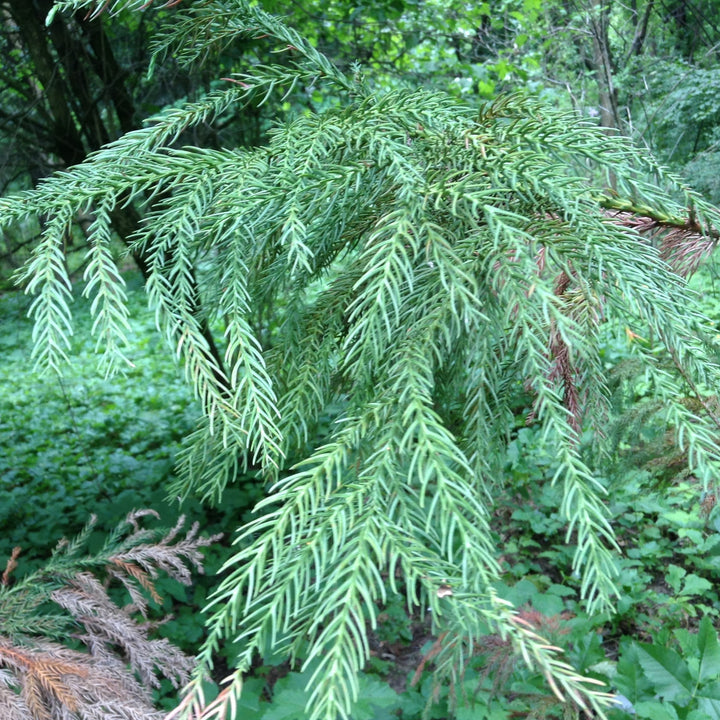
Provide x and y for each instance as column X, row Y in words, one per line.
column 668, row 532
column 77, row 443
column 673, row 682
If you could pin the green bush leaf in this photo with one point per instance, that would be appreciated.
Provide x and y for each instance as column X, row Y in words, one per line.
column 667, row 671
column 709, row 701
column 697, row 715
column 695, row 585
column 548, row 604
column 674, row 577
column 289, row 699
column 374, row 695
column 629, row 678
column 655, row 710
column 709, row 649
column 291, row 696
column 249, row 702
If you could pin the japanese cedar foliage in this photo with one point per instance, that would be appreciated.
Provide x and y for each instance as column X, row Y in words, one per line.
column 424, row 260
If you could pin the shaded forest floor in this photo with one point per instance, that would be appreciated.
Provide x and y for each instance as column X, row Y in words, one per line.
column 79, row 445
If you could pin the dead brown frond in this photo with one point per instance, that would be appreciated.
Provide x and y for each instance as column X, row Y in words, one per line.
column 52, row 682
column 11, row 565
column 566, row 370
column 684, row 246
column 43, row 675
column 563, row 369
column 12, row 704
column 109, row 629
column 177, row 560
column 127, row 570
column 194, row 706
column 499, row 657
column 430, row 655
column 92, row 659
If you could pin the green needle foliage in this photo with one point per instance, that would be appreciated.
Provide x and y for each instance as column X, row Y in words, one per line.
column 423, row 264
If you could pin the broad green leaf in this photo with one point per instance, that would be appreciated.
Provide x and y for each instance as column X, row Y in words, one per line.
column 688, row 642
column 522, row 592
column 694, row 536
column 709, row 700
column 679, row 518
column 248, row 703
column 561, row 590
column 629, row 678
column 289, row 699
column 708, row 708
column 695, row 585
column 548, row 605
column 697, row 715
column 475, row 712
column 656, row 710
column 709, row 650
column 588, row 652
column 667, row 671
column 376, row 700
column 709, row 543
column 674, row 577
column 608, row 668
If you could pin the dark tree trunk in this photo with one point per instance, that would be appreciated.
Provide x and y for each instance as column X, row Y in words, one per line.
column 603, row 65
column 68, row 143
column 641, row 26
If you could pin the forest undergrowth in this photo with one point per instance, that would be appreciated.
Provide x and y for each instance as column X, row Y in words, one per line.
column 78, row 445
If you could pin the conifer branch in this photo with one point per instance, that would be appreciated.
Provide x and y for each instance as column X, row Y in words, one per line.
column 418, row 260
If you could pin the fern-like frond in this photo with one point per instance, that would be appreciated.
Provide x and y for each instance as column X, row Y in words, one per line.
column 105, row 283
column 47, row 278
column 111, row 679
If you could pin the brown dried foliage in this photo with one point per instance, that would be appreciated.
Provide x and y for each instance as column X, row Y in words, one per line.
column 113, row 663
column 684, row 247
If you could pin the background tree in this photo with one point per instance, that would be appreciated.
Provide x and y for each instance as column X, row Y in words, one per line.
column 75, row 85
column 646, row 69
